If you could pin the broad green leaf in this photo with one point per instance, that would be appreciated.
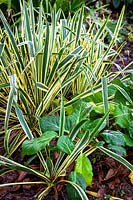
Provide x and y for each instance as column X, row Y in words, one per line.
column 128, row 140
column 118, row 149
column 122, row 116
column 100, row 108
column 79, row 147
column 65, row 144
column 49, row 123
column 131, row 129
column 69, row 109
column 81, row 110
column 114, row 137
column 52, row 123
column 6, row 2
column 84, row 167
column 33, row 146
column 131, row 77
column 79, row 180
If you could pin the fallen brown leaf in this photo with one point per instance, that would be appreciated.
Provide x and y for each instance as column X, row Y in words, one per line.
column 113, row 184
column 131, row 177
column 21, row 176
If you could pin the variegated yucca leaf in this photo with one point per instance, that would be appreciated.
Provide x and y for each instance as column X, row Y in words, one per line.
column 54, row 59
column 50, row 57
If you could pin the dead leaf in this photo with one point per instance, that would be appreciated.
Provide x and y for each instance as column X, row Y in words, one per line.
column 111, row 173
column 129, row 198
column 22, row 175
column 111, row 162
column 28, row 186
column 3, row 191
column 113, row 184
column 101, row 192
column 131, row 177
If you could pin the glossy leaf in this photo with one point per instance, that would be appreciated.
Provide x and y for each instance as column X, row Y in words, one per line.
column 52, row 123
column 79, row 180
column 114, row 137
column 65, row 144
column 128, row 140
column 122, row 116
column 33, row 146
column 84, row 167
column 49, row 123
column 131, row 129
column 117, row 149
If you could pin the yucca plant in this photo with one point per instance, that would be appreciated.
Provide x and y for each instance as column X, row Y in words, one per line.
column 42, row 63
column 71, row 143
column 48, row 57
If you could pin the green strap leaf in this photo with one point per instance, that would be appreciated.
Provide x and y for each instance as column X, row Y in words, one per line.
column 75, row 178
column 80, row 191
column 117, row 157
column 14, row 165
column 23, row 121
column 62, row 118
column 124, row 93
column 79, row 25
column 96, row 129
column 105, row 98
column 10, row 34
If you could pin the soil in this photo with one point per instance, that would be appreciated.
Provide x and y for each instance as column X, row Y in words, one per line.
column 111, row 178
